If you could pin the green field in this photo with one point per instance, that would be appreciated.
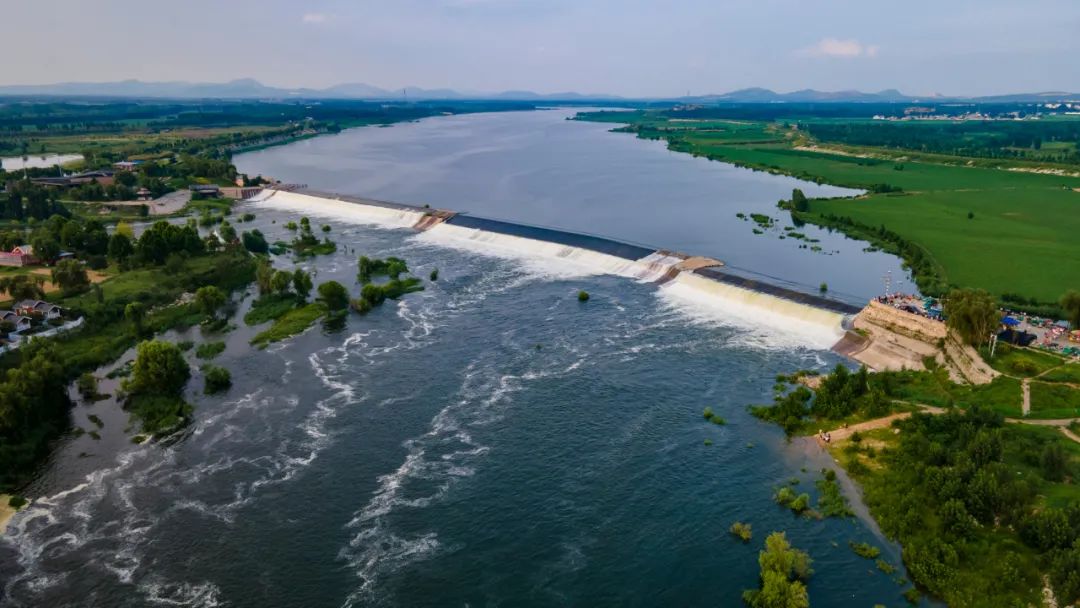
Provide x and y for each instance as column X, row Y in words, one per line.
column 1023, row 238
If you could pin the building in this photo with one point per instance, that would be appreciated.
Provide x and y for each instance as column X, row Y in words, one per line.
column 41, row 307
column 127, row 165
column 204, row 191
column 143, row 194
column 105, row 178
column 20, row 322
column 23, row 255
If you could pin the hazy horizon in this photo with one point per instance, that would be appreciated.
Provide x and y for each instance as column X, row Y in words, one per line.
column 630, row 48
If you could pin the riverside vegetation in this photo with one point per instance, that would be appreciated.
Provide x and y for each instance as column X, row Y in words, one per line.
column 984, row 510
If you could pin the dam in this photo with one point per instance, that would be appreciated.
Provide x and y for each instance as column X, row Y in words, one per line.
column 822, row 320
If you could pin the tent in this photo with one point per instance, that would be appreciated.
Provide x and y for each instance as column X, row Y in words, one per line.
column 1010, row 321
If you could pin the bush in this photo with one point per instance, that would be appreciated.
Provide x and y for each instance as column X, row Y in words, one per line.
column 17, row 502
column 864, row 550
column 583, row 296
column 434, row 276
column 334, row 295
column 97, row 262
column 210, row 350
column 743, row 532
column 217, row 378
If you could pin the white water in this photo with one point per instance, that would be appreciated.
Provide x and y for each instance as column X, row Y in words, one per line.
column 787, row 324
column 337, row 210
column 573, row 260
column 781, row 323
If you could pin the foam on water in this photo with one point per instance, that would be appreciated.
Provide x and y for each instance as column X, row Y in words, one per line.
column 307, row 204
column 769, row 322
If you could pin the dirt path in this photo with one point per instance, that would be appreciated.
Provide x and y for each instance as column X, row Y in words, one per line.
column 842, row 433
column 1025, row 405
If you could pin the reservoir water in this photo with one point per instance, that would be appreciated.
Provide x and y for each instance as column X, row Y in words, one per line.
column 489, row 441
column 539, row 168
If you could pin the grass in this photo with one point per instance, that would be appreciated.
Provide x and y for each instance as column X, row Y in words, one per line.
column 1051, row 401
column 1021, row 362
column 1066, row 373
column 269, row 307
column 209, row 350
column 291, row 323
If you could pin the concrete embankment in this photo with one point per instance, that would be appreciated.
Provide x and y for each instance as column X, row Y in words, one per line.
column 703, row 279
column 886, row 338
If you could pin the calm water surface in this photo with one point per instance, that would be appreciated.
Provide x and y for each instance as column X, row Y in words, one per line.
column 539, row 168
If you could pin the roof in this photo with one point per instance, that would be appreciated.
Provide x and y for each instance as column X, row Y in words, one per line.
column 206, row 187
column 36, row 305
column 7, row 315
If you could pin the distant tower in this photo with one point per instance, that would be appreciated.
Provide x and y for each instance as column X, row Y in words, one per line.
column 888, row 282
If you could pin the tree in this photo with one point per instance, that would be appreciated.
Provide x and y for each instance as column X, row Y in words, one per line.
column 334, row 295
column 125, row 229
column 24, row 287
column 160, row 369
column 302, row 284
column 227, row 233
column 70, row 276
column 264, row 273
column 783, row 572
column 120, row 248
column 281, row 281
column 45, row 247
column 1070, row 303
column 972, row 313
column 255, row 242
column 799, row 201
column 209, row 299
column 136, row 313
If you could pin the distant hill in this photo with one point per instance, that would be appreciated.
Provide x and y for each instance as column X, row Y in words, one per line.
column 758, row 95
column 248, row 88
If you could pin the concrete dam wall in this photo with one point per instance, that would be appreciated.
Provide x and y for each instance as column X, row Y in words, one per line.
column 820, row 319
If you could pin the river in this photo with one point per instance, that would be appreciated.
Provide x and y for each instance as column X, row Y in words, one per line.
column 539, row 168
column 488, row 441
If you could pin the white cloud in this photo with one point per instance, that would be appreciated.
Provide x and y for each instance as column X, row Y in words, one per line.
column 314, row 18
column 834, row 47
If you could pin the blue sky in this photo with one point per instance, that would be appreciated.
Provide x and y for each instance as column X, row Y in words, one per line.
column 626, row 47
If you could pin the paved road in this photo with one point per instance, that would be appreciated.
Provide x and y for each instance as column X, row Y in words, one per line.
column 166, row 205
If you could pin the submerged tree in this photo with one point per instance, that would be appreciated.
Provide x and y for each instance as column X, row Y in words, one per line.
column 784, row 571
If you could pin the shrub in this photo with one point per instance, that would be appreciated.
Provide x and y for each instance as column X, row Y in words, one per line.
column 583, row 296
column 743, row 532
column 708, row 413
column 17, row 502
column 334, row 295
column 209, row 350
column 864, row 550
column 87, row 384
column 217, row 378
column 434, row 276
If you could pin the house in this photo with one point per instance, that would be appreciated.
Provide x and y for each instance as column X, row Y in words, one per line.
column 143, row 194
column 20, row 322
column 104, row 178
column 23, row 255
column 49, row 311
column 127, row 165
column 204, row 191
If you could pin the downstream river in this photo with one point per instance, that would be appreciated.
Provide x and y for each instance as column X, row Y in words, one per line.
column 489, row 441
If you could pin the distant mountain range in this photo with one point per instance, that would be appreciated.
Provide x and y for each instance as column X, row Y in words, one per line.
column 247, row 88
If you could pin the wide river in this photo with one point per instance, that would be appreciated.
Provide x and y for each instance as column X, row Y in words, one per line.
column 489, row 441
column 539, row 168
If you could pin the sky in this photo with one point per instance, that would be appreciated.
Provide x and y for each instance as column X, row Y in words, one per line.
column 634, row 48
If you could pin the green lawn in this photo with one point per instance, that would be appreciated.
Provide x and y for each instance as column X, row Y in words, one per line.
column 1051, row 401
column 1021, row 241
column 1020, row 362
